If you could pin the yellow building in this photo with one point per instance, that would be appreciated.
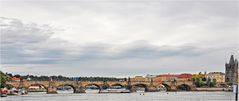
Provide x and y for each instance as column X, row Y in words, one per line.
column 139, row 79
column 166, row 77
column 218, row 76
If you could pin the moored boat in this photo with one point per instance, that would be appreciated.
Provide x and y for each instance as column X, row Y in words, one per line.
column 140, row 90
column 92, row 91
column 3, row 92
column 122, row 90
column 12, row 91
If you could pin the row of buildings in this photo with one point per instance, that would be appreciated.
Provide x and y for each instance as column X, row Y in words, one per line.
column 230, row 77
column 218, row 76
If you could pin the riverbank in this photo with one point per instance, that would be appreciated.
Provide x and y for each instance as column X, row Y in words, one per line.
column 212, row 89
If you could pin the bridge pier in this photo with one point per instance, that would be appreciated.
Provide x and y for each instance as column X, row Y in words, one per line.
column 173, row 88
column 79, row 90
column 151, row 89
column 51, row 90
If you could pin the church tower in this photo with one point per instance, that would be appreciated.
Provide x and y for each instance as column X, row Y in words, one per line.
column 231, row 73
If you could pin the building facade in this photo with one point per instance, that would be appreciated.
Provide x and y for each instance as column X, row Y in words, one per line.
column 231, row 73
column 185, row 77
column 139, row 79
column 218, row 76
column 173, row 77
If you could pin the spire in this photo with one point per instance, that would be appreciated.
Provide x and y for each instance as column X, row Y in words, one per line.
column 231, row 60
column 236, row 62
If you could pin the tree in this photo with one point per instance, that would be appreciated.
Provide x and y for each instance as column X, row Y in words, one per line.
column 198, row 82
column 214, row 82
column 3, row 78
column 17, row 76
column 209, row 82
column 204, row 79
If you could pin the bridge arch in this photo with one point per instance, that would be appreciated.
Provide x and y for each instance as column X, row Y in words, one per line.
column 140, row 85
column 161, row 88
column 92, row 84
column 70, row 85
column 184, row 87
column 168, row 88
column 117, row 84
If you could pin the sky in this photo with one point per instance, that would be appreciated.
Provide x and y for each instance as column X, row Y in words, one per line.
column 117, row 38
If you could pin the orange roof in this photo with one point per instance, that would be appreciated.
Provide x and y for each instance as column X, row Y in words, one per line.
column 15, row 79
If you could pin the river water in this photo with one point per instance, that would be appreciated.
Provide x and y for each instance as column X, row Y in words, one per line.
column 155, row 96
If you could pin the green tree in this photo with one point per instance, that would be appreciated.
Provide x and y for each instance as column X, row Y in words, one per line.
column 209, row 82
column 204, row 79
column 198, row 82
column 3, row 78
column 214, row 82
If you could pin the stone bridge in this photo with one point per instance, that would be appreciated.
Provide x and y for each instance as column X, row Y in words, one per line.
column 80, row 86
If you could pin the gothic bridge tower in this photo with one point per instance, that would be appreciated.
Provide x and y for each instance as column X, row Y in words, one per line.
column 231, row 73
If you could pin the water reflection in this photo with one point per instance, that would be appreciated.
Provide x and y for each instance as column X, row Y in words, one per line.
column 156, row 96
column 65, row 89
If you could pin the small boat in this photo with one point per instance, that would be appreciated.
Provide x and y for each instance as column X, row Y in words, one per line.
column 140, row 90
column 104, row 91
column 3, row 92
column 22, row 92
column 122, row 90
column 125, row 91
column 13, row 91
column 92, row 91
column 3, row 95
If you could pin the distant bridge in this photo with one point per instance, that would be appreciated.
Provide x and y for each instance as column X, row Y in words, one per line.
column 81, row 86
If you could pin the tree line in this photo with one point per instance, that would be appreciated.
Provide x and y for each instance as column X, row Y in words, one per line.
column 202, row 81
column 62, row 78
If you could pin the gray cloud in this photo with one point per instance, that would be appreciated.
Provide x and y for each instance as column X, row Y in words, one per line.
column 31, row 43
column 138, row 37
column 15, row 32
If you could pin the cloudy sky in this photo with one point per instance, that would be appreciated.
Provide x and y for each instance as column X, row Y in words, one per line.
column 117, row 37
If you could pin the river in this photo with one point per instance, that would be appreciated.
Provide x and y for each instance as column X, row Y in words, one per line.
column 155, row 96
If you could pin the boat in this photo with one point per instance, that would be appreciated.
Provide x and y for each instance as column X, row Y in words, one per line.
column 3, row 92
column 140, row 90
column 3, row 95
column 13, row 91
column 22, row 92
column 104, row 91
column 122, row 90
column 92, row 90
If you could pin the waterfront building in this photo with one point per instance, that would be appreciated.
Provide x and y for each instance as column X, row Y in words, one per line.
column 173, row 77
column 218, row 76
column 231, row 71
column 139, row 79
column 184, row 77
column 14, row 79
column 166, row 77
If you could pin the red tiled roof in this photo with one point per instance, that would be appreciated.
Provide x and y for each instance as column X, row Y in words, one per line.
column 15, row 79
column 185, row 76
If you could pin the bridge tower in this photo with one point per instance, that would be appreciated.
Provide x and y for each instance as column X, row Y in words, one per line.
column 151, row 87
column 22, row 85
column 79, row 87
column 174, row 85
column 129, row 86
column 51, row 87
